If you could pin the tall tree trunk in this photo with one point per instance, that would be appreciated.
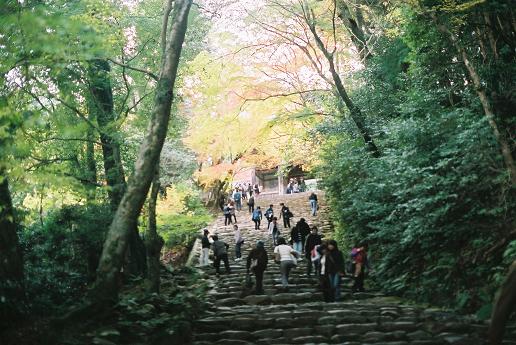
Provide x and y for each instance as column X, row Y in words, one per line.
column 355, row 112
column 358, row 36
column 153, row 242
column 11, row 260
column 105, row 287
column 485, row 101
column 91, row 164
column 102, row 107
column 504, row 306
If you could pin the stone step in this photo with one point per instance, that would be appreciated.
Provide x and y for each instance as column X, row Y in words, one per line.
column 300, row 316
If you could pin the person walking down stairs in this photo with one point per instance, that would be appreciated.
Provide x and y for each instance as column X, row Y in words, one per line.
column 257, row 217
column 287, row 258
column 296, row 239
column 220, row 252
column 274, row 231
column 286, row 214
column 227, row 214
column 360, row 262
column 269, row 214
column 237, row 197
column 311, row 254
column 313, row 203
column 205, row 253
column 257, row 262
column 239, row 240
column 250, row 204
column 333, row 268
column 303, row 226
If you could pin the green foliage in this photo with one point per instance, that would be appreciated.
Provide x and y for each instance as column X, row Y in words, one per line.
column 181, row 215
column 439, row 196
column 61, row 255
column 429, row 205
column 144, row 318
column 181, row 229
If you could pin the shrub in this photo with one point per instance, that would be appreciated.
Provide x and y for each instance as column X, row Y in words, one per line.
column 61, row 255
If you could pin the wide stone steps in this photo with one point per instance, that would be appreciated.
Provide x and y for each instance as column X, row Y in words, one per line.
column 300, row 316
column 370, row 321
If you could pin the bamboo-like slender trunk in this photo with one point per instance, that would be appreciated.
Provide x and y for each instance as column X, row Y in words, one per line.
column 153, row 242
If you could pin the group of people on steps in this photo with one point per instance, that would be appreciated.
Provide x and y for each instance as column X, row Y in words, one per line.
column 323, row 257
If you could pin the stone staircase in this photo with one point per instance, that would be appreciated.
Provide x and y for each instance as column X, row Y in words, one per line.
column 300, row 316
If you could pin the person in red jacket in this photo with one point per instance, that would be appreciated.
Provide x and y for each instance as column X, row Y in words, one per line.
column 360, row 263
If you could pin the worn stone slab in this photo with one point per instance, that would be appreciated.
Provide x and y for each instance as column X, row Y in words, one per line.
column 355, row 328
column 309, row 339
column 232, row 334
column 268, row 333
column 257, row 299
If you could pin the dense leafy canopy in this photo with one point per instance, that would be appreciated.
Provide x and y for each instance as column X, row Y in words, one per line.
column 405, row 110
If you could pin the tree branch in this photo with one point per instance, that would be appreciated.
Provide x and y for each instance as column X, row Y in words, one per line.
column 149, row 73
column 166, row 15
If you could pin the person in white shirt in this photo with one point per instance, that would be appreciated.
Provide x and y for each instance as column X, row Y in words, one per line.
column 287, row 258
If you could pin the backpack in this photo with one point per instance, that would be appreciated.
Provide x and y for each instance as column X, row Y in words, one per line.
column 269, row 213
column 256, row 215
column 289, row 214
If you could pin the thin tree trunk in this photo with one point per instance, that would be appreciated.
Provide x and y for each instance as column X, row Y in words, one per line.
column 105, row 287
column 505, row 304
column 355, row 112
column 11, row 260
column 153, row 242
column 91, row 164
column 490, row 35
column 358, row 36
column 484, row 100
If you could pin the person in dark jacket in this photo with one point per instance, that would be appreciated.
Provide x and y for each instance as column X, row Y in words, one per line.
column 269, row 214
column 312, row 240
column 313, row 203
column 332, row 266
column 257, row 263
column 286, row 214
column 250, row 203
column 220, row 252
column 304, row 228
column 222, row 202
column 205, row 253
column 296, row 239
